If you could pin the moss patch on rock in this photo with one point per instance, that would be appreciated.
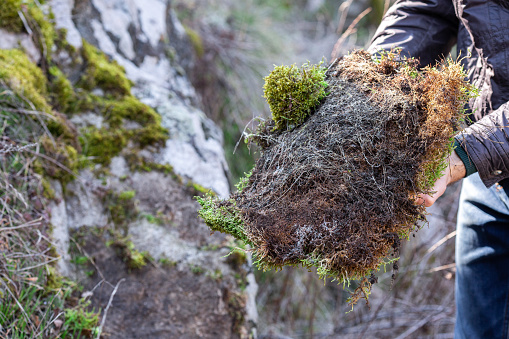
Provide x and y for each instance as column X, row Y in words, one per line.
column 9, row 17
column 103, row 73
column 25, row 78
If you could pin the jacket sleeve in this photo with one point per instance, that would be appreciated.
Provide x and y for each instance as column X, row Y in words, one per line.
column 424, row 29
column 487, row 145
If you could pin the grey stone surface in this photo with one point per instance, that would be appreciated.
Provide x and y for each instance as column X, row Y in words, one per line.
column 84, row 205
column 194, row 297
column 62, row 9
column 60, row 235
column 16, row 40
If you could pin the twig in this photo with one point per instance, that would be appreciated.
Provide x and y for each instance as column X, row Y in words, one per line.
column 441, row 241
column 35, row 222
column 59, row 165
column 350, row 30
column 103, row 321
column 415, row 327
column 443, row 267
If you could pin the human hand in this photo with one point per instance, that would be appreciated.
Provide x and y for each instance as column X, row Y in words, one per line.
column 455, row 171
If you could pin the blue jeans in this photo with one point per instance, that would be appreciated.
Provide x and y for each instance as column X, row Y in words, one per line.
column 482, row 261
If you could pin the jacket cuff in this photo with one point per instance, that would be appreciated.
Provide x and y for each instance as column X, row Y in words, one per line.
column 486, row 143
column 462, row 154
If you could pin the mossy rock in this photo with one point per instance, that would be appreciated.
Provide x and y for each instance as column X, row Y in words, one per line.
column 103, row 73
column 9, row 17
column 25, row 78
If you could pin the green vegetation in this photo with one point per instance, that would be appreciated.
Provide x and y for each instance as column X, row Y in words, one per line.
column 61, row 91
column 103, row 73
column 25, row 78
column 293, row 93
column 43, row 27
column 222, row 216
column 122, row 208
column 80, row 322
column 9, row 17
column 133, row 258
column 102, row 144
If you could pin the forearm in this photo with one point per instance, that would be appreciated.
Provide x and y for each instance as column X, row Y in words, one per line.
column 456, row 168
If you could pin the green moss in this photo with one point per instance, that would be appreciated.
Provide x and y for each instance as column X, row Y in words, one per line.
column 132, row 109
column 60, row 128
column 65, row 160
column 222, row 216
column 133, row 258
column 10, row 20
column 197, row 269
column 138, row 163
column 122, row 208
column 196, row 41
column 127, row 195
column 47, row 191
column 151, row 135
column 198, row 189
column 103, row 73
column 45, row 27
column 244, row 181
column 102, row 144
column 24, row 77
column 61, row 90
column 292, row 93
column 9, row 17
column 167, row 263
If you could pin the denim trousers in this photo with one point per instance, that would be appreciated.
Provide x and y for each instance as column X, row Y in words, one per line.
column 482, row 261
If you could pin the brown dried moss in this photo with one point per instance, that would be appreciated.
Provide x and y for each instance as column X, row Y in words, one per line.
column 336, row 192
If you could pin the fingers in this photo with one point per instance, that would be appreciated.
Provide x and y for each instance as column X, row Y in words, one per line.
column 424, row 199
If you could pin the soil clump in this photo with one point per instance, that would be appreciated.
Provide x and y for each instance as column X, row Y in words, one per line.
column 336, row 191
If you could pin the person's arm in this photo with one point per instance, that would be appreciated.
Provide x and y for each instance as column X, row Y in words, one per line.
column 487, row 145
column 424, row 29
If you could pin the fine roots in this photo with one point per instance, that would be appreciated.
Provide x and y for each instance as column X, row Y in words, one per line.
column 336, row 192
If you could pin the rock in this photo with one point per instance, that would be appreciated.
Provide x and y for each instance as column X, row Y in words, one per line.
column 187, row 287
column 62, row 10
column 15, row 40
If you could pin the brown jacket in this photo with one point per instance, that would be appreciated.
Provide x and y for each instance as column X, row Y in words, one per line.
column 427, row 29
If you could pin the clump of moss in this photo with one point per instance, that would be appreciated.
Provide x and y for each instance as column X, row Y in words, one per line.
column 336, row 192
column 293, row 92
column 196, row 41
column 101, row 145
column 25, row 78
column 44, row 26
column 222, row 216
column 61, row 161
column 133, row 258
column 61, row 91
column 103, row 73
column 132, row 109
column 9, row 17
